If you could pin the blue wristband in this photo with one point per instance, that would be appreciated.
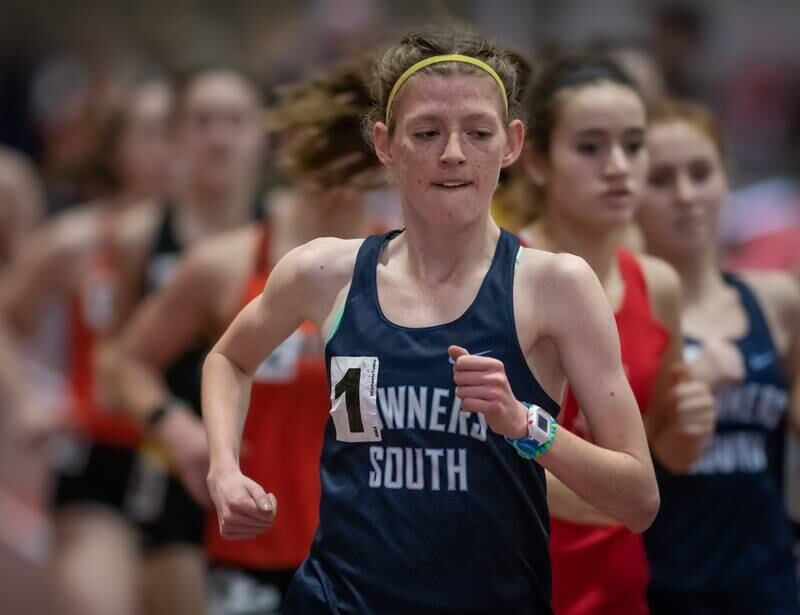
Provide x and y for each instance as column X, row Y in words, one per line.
column 531, row 447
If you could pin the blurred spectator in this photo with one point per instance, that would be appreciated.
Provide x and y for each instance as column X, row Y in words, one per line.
column 676, row 38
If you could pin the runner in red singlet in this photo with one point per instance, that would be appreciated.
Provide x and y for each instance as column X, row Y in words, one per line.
column 588, row 165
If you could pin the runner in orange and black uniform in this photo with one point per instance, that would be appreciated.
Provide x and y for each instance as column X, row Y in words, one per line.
column 219, row 138
column 155, row 498
column 81, row 257
column 322, row 153
column 96, row 462
column 289, row 397
column 28, row 416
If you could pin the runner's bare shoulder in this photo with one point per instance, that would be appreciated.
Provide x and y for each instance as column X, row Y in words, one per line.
column 325, row 262
column 559, row 288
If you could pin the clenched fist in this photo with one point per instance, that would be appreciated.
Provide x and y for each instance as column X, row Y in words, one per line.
column 693, row 407
column 244, row 509
column 482, row 386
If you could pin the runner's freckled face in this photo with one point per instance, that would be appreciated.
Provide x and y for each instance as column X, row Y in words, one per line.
column 450, row 141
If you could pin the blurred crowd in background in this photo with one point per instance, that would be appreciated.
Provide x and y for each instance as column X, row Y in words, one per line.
column 63, row 66
column 94, row 110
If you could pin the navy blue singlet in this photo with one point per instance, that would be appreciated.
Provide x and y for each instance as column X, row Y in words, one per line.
column 721, row 542
column 424, row 509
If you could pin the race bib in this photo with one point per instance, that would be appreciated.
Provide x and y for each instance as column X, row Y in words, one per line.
column 353, row 401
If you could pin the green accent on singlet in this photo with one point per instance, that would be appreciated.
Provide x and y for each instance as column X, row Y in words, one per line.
column 336, row 321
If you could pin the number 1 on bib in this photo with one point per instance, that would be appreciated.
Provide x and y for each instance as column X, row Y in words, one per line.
column 353, row 400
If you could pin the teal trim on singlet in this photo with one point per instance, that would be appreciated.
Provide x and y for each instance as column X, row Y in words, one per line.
column 518, row 257
column 393, row 492
column 336, row 322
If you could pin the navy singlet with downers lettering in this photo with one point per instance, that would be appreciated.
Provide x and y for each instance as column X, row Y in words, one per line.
column 424, row 509
column 721, row 542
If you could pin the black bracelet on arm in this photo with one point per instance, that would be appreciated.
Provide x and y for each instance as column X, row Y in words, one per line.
column 158, row 414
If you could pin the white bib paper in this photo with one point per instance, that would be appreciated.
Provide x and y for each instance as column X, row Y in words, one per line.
column 353, row 401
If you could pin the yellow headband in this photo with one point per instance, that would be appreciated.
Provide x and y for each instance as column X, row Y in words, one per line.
column 455, row 57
